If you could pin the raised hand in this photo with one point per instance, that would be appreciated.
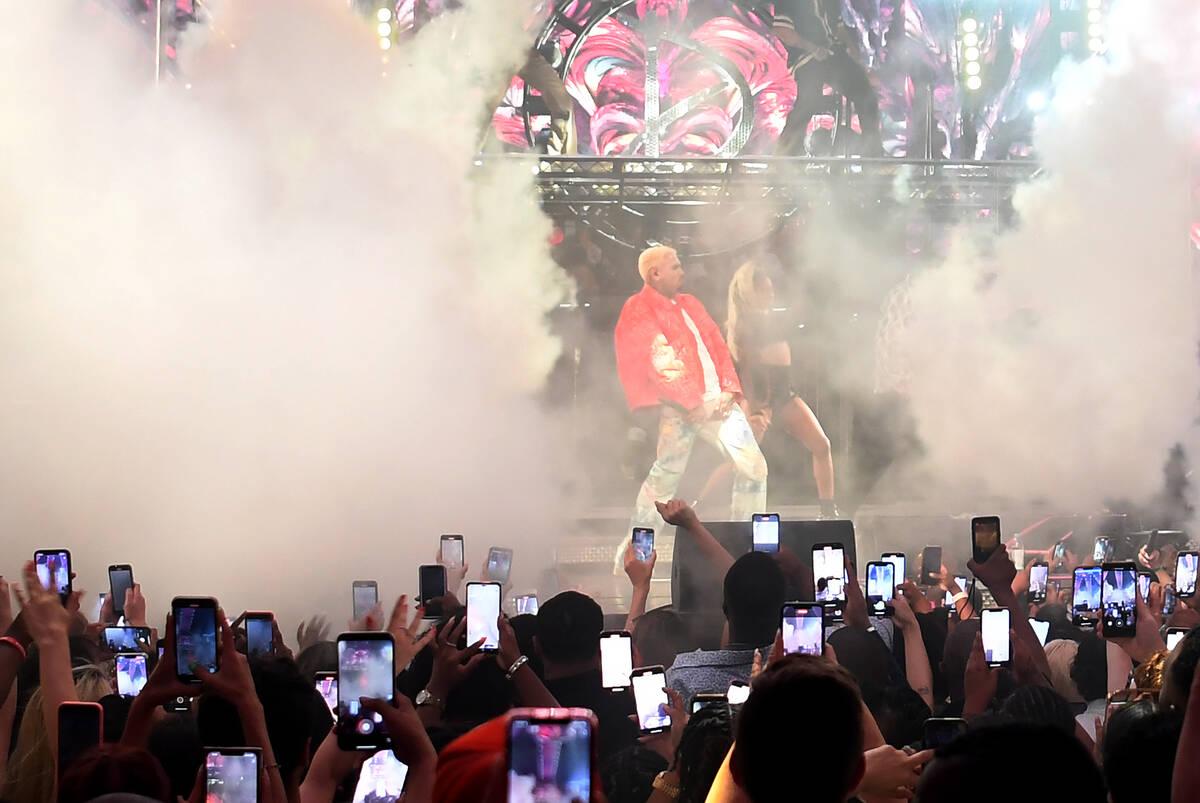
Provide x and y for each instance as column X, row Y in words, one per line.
column 404, row 631
column 45, row 617
column 666, row 743
column 639, row 572
column 451, row 666
column 372, row 621
column 135, row 606
column 314, row 631
column 677, row 512
column 997, row 572
column 6, row 609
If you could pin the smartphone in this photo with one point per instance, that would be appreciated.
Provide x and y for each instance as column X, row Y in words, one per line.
column 120, row 580
column 616, row 659
column 898, row 560
column 131, row 673
column 706, row 699
column 1169, row 602
column 1040, row 629
column 931, row 565
column 1100, row 550
column 1185, row 574
column 499, row 564
column 195, row 621
column 803, row 627
column 829, row 574
column 80, row 728
column 1175, row 635
column 1039, row 575
column 993, row 626
column 431, row 584
column 231, row 773
column 1085, row 596
column 178, row 705
column 125, row 639
column 551, row 754
column 881, row 587
column 764, row 531
column 327, row 685
column 53, row 568
column 1118, row 599
column 643, row 543
column 985, row 537
column 942, row 730
column 381, row 779
column 737, row 693
column 483, row 614
column 364, row 594
column 1060, row 550
column 452, row 551
column 365, row 669
column 1144, row 580
column 260, row 633
column 526, row 603
column 650, row 700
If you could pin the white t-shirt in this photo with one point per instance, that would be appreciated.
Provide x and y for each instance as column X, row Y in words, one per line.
column 712, row 385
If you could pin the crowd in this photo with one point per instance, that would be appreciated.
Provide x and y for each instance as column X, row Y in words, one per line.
column 897, row 707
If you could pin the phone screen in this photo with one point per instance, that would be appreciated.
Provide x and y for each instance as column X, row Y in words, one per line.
column 483, row 613
column 54, row 570
column 195, row 638
column 1100, row 550
column 616, row 660
column 737, row 693
column 1185, row 574
column 1143, row 582
column 326, row 684
column 365, row 595
column 120, row 580
column 765, row 532
column 881, row 587
column 1039, row 574
column 80, row 728
column 364, row 670
column 260, row 635
column 985, row 536
column 994, row 628
column 1168, row 607
column 527, row 603
column 651, row 701
column 549, row 759
column 230, row 775
column 829, row 572
column 126, row 639
column 452, row 551
column 1040, row 629
column 499, row 564
column 803, row 629
column 1174, row 636
column 1060, row 550
column 131, row 673
column 898, row 560
column 1085, row 597
column 700, row 701
column 432, row 581
column 381, row 779
column 931, row 565
column 643, row 543
column 1118, row 599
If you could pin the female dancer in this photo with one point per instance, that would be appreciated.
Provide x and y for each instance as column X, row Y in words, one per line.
column 764, row 359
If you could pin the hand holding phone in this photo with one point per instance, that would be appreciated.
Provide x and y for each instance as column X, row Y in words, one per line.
column 364, row 595
column 1118, row 599
column 650, row 699
column 451, row 554
column 53, row 568
column 260, row 633
column 829, row 574
column 131, row 673
column 994, row 628
column 483, row 615
column 499, row 564
column 985, row 537
column 1186, row 564
column 764, row 529
column 802, row 627
column 931, row 565
column 1039, row 575
column 643, row 543
column 551, row 751
column 365, row 669
column 881, row 587
column 431, row 585
column 1085, row 597
column 196, row 636
column 120, row 581
column 898, row 560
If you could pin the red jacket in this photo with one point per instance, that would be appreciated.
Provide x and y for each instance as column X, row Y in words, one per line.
column 657, row 357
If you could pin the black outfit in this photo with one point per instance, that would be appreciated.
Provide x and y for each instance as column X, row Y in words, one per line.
column 763, row 385
column 612, row 710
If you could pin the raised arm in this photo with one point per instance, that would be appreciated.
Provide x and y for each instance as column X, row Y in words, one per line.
column 677, row 512
column 639, row 574
column 49, row 623
column 916, row 659
column 997, row 573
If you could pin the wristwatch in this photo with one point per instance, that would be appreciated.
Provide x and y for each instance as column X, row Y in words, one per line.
column 666, row 785
column 425, row 698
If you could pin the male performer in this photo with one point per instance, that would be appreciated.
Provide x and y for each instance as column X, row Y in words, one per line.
column 671, row 356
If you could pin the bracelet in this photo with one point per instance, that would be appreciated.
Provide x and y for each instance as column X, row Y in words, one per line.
column 959, row 597
column 16, row 645
column 517, row 664
column 663, row 784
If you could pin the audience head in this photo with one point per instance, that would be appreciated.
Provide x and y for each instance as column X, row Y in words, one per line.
column 754, row 591
column 954, row 658
column 1039, row 705
column 112, row 769
column 702, row 749
column 175, row 742
column 658, row 636
column 1181, row 668
column 569, row 625
column 1138, row 751
column 772, row 755
column 1089, row 670
column 984, row 764
column 900, row 714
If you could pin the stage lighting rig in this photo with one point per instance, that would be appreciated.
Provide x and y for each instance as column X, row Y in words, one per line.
column 970, row 50
column 1096, row 27
column 384, row 28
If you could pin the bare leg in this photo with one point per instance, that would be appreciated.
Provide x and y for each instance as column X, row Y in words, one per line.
column 800, row 422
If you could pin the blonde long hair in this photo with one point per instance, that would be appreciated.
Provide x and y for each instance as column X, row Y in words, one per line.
column 741, row 312
column 31, row 772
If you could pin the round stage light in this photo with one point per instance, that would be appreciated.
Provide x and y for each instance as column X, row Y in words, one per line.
column 971, row 54
column 1095, row 16
column 385, row 44
column 1096, row 45
column 972, row 68
column 385, row 29
column 1095, row 30
column 384, row 14
column 1094, row 3
column 1036, row 101
column 970, row 25
column 971, row 40
column 974, row 82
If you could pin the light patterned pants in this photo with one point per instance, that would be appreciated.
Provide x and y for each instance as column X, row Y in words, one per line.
column 732, row 437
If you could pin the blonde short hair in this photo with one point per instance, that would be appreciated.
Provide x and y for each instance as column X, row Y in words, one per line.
column 652, row 256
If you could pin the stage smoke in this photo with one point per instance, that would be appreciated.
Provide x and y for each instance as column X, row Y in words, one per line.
column 271, row 332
